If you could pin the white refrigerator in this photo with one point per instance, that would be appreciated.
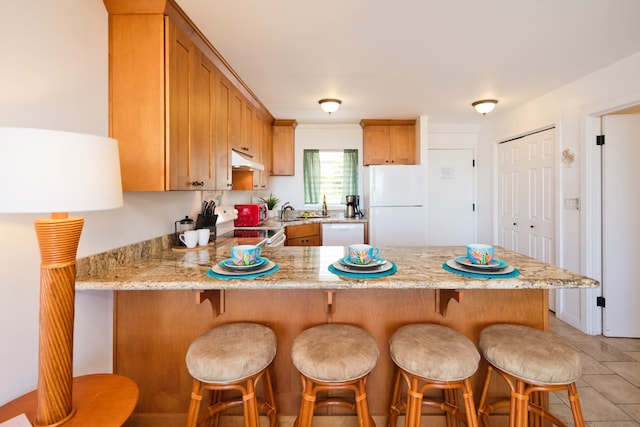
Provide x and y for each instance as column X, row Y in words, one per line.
column 394, row 202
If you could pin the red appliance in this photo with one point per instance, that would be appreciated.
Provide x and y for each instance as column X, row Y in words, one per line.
column 250, row 215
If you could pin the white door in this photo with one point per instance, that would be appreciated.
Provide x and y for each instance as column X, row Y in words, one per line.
column 526, row 197
column 621, row 228
column 451, row 197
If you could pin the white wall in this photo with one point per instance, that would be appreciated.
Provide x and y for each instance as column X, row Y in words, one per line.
column 54, row 71
column 569, row 109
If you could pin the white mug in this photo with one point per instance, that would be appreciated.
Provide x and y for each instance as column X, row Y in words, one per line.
column 189, row 238
column 203, row 236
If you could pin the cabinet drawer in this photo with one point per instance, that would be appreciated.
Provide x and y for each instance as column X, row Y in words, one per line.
column 304, row 241
column 304, row 230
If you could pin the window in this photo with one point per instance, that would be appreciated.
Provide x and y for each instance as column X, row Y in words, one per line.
column 329, row 173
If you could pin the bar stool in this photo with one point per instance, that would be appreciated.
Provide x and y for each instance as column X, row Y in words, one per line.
column 233, row 357
column 428, row 357
column 334, row 357
column 530, row 361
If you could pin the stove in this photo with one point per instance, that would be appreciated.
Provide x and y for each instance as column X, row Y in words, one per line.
column 267, row 236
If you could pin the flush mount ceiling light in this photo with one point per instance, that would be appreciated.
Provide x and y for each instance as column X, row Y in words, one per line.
column 484, row 106
column 330, row 105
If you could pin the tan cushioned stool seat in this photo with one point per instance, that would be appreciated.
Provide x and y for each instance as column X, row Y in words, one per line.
column 434, row 352
column 334, row 353
column 231, row 352
column 530, row 354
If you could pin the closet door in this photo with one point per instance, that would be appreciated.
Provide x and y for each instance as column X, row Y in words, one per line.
column 526, row 195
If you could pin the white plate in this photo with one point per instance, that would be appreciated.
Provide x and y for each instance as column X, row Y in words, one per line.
column 493, row 265
column 453, row 264
column 217, row 268
column 373, row 270
column 376, row 262
column 228, row 263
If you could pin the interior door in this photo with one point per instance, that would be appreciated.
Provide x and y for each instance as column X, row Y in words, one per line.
column 621, row 228
column 451, row 197
column 526, row 197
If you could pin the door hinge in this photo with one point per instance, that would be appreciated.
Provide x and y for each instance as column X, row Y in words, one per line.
column 473, row 163
column 600, row 302
column 599, row 139
column 474, row 207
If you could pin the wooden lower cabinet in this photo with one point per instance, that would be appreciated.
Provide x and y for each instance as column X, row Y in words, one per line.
column 303, row 235
column 153, row 330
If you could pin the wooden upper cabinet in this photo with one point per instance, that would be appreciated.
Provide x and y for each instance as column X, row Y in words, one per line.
column 224, row 178
column 236, row 113
column 137, row 99
column 267, row 149
column 283, row 149
column 389, row 142
column 175, row 106
column 191, row 105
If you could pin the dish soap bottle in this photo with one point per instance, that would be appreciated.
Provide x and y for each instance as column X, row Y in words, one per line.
column 324, row 205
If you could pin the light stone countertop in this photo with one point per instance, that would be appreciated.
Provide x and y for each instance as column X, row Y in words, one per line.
column 158, row 267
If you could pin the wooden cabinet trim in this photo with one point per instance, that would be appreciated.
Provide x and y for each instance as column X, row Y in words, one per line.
column 385, row 122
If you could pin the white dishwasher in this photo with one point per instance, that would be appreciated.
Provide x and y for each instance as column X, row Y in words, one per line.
column 342, row 234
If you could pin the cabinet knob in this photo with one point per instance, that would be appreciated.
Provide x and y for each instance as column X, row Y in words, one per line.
column 515, row 223
column 198, row 183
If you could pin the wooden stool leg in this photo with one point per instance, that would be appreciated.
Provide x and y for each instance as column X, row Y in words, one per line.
column 270, row 401
column 451, row 398
column 574, row 402
column 483, row 415
column 414, row 404
column 469, row 405
column 250, row 404
column 397, row 406
column 194, row 406
column 520, row 403
column 307, row 405
column 362, row 404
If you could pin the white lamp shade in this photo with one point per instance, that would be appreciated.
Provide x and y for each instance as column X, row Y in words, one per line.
column 330, row 105
column 485, row 106
column 55, row 171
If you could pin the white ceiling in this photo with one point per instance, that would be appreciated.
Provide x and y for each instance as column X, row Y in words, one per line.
column 407, row 58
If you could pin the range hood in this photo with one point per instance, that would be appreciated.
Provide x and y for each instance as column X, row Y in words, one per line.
column 240, row 161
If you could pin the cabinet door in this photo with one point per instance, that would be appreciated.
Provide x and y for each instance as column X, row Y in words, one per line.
column 223, row 145
column 180, row 75
column 202, row 152
column 265, row 152
column 236, row 111
column 283, row 149
column 191, row 107
column 248, row 129
column 376, row 145
column 402, row 144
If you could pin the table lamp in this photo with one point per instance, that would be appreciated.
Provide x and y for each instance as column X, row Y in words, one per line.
column 57, row 172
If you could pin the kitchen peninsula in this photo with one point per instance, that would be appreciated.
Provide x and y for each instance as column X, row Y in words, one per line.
column 157, row 317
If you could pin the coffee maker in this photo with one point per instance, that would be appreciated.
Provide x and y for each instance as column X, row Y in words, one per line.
column 353, row 207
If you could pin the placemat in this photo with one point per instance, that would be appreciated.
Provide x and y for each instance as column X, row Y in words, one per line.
column 514, row 273
column 389, row 272
column 215, row 275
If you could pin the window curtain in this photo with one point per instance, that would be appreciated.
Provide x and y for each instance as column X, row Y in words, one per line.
column 311, row 166
column 350, row 178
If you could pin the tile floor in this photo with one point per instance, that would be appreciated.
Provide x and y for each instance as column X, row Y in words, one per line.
column 610, row 384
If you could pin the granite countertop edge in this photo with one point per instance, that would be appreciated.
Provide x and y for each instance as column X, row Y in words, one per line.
column 153, row 265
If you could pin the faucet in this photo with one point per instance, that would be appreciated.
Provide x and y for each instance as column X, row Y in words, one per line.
column 285, row 207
